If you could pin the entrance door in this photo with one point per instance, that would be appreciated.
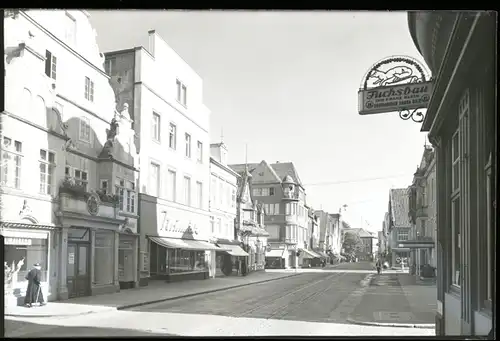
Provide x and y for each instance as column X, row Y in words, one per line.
column 78, row 279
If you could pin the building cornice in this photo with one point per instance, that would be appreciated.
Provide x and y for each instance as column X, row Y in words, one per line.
column 224, row 167
column 34, row 125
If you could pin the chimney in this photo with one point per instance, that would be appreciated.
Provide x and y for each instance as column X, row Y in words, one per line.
column 151, row 46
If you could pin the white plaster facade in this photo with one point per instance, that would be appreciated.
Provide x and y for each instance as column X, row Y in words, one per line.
column 147, row 81
column 58, row 99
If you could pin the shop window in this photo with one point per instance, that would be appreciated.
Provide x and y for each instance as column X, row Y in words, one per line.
column 11, row 158
column 22, row 253
column 104, row 257
column 180, row 261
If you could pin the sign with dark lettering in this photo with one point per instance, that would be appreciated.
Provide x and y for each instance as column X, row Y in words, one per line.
column 395, row 84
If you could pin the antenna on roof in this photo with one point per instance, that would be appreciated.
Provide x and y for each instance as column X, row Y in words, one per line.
column 222, row 134
column 246, row 157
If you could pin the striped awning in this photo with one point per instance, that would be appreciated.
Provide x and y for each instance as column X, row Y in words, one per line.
column 185, row 244
column 14, row 225
column 315, row 254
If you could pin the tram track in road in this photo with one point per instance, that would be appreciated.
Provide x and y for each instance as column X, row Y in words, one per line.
column 284, row 310
column 271, row 300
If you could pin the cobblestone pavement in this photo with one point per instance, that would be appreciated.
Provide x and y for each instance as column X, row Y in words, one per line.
column 309, row 304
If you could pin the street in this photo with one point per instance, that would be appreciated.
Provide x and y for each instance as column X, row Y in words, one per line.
column 317, row 303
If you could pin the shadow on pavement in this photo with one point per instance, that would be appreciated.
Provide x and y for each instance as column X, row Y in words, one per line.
column 24, row 329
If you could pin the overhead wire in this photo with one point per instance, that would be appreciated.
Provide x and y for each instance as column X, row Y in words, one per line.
column 356, row 180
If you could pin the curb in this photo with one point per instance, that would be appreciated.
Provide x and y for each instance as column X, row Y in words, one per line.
column 153, row 301
column 398, row 325
column 200, row 293
column 60, row 315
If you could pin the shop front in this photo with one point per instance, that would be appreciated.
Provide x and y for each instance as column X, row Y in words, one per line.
column 25, row 244
column 275, row 258
column 231, row 258
column 127, row 260
column 179, row 259
column 307, row 257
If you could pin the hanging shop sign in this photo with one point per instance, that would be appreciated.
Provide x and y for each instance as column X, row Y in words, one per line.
column 396, row 84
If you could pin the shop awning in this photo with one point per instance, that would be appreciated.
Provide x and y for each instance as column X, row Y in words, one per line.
column 15, row 225
column 315, row 254
column 185, row 244
column 307, row 254
column 323, row 255
column 234, row 250
column 275, row 253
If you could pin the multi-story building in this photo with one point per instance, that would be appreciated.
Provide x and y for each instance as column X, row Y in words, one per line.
column 366, row 250
column 336, row 241
column 326, row 228
column 280, row 190
column 165, row 97
column 399, row 227
column 461, row 121
column 77, row 216
column 223, row 211
column 382, row 246
column 422, row 197
column 313, row 258
column 250, row 224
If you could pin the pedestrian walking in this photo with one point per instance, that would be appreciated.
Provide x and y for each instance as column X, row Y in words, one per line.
column 378, row 265
column 34, row 291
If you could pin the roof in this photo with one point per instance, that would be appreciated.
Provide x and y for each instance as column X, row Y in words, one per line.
column 399, row 207
column 286, row 168
column 361, row 232
column 240, row 168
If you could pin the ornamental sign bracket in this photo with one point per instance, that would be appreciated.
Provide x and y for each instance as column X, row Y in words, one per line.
column 396, row 84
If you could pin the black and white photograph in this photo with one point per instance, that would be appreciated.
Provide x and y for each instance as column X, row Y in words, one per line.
column 251, row 173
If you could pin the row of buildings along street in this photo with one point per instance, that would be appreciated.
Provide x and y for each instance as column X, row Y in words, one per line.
column 109, row 179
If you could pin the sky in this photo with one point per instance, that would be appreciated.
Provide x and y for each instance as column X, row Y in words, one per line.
column 285, row 84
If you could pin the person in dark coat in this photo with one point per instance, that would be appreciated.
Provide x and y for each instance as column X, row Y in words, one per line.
column 34, row 292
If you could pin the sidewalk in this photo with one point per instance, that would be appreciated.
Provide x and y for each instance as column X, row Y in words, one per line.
column 397, row 300
column 156, row 291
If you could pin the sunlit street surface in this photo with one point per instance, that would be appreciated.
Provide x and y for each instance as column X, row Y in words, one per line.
column 318, row 303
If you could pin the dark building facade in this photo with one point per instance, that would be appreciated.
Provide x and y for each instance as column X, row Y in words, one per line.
column 460, row 49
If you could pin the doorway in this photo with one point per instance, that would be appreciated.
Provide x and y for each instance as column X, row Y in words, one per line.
column 78, row 277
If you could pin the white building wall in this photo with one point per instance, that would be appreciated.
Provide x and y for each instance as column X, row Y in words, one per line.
column 31, row 96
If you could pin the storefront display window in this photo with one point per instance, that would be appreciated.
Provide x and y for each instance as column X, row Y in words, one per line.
column 104, row 257
column 186, row 261
column 19, row 256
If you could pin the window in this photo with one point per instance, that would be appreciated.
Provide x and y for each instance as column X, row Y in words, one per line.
column 188, row 145
column 11, row 163
column 126, row 194
column 104, row 186
column 272, row 209
column 186, row 261
column 257, row 192
column 50, row 65
column 489, row 227
column 104, row 257
column 199, row 152
column 221, row 192
column 47, row 166
column 172, row 137
column 455, row 242
column 213, row 191
column 89, row 89
column 155, row 127
column 187, row 190
column 265, row 192
column 181, row 92
column 455, row 175
column 212, row 225
column 171, row 185
column 108, row 65
column 403, row 235
column 199, row 194
column 70, row 33
column 84, row 134
column 81, row 178
column 154, row 179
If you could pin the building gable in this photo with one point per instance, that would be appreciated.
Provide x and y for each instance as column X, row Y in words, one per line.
column 263, row 173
